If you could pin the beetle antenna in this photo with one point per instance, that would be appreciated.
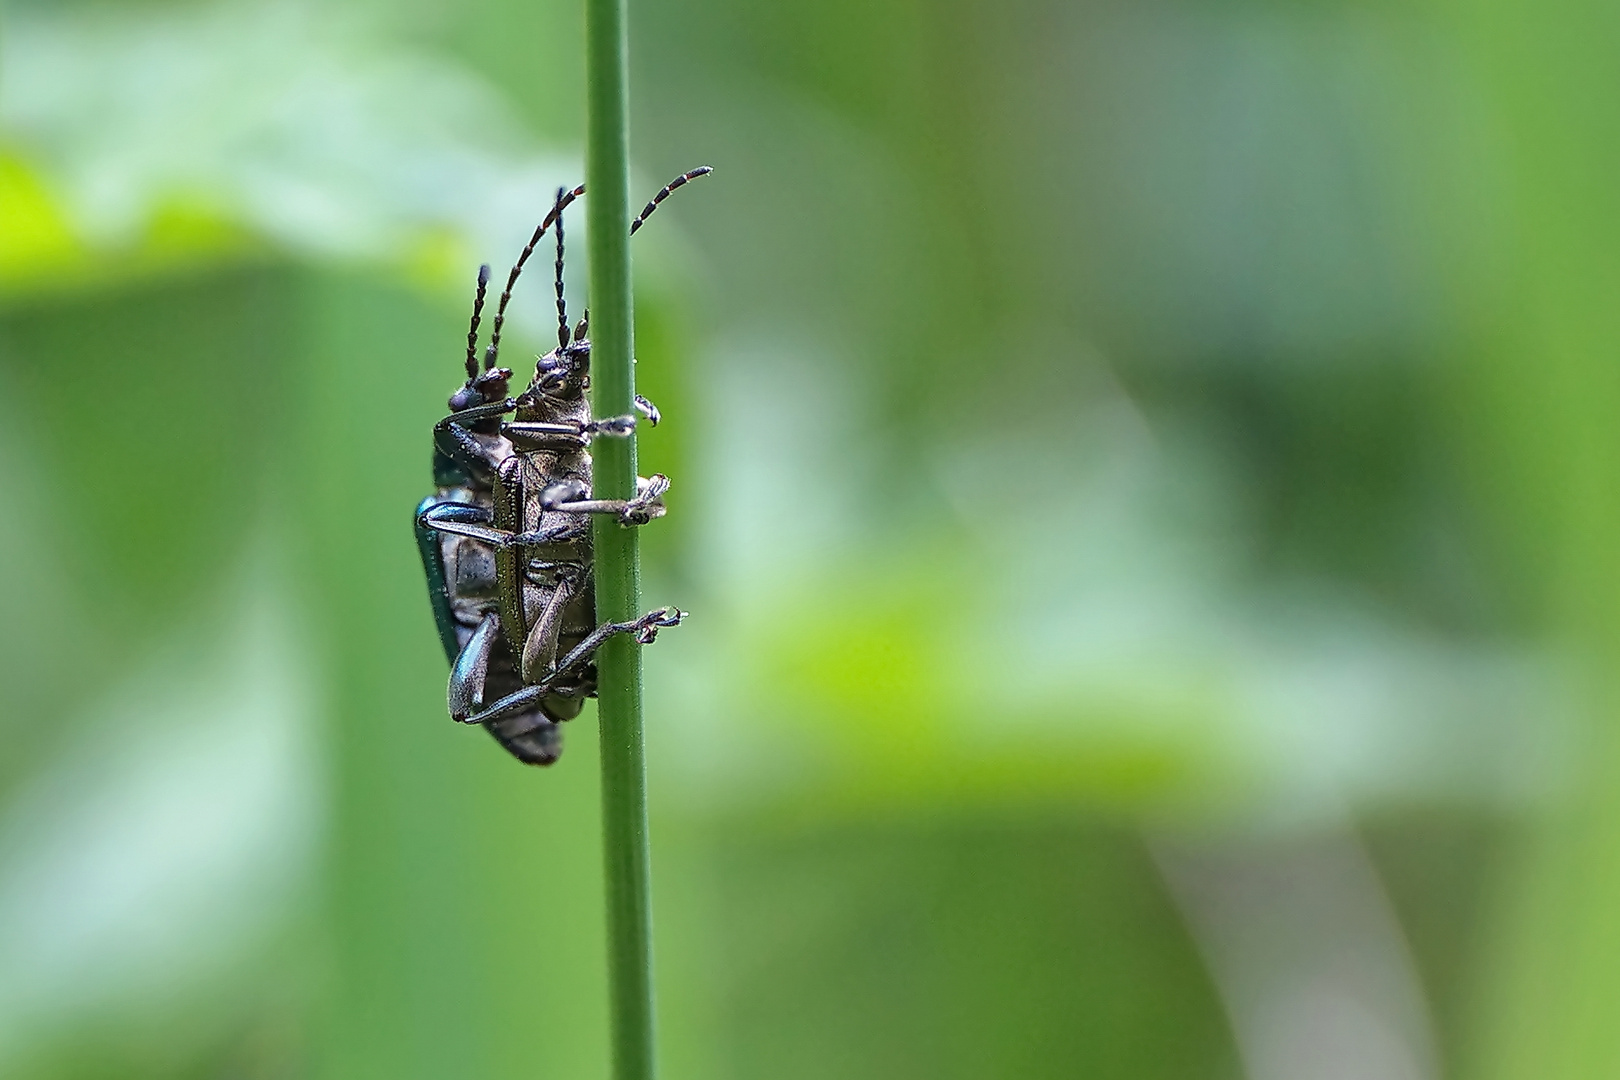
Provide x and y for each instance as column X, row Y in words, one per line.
column 564, row 198
column 562, row 304
column 472, row 327
column 511, row 279
column 679, row 182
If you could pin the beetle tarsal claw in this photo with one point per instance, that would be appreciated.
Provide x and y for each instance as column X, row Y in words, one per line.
column 645, row 506
column 616, row 427
column 648, row 409
column 640, row 515
column 650, row 623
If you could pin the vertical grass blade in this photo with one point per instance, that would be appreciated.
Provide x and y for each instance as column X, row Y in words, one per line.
column 624, row 787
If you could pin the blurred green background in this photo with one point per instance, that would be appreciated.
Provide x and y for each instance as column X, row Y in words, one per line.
column 1144, row 475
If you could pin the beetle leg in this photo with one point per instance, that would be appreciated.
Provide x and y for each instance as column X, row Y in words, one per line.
column 432, row 551
column 567, row 435
column 462, row 519
column 547, row 435
column 557, row 534
column 465, row 693
column 466, row 519
column 618, row 427
column 507, row 498
column 645, row 628
column 540, row 647
column 452, row 438
column 649, row 489
column 649, row 410
column 646, row 505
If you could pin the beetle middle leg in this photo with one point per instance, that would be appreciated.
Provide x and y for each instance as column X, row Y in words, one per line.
column 471, row 520
column 465, row 693
column 572, row 497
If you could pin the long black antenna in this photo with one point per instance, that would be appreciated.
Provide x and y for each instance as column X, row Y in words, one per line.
column 679, row 182
column 511, row 279
column 564, row 198
column 562, row 305
column 472, row 328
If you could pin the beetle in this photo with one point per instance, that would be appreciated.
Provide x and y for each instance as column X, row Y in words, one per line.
column 505, row 540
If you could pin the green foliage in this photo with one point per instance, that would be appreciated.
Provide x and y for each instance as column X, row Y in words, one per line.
column 1099, row 434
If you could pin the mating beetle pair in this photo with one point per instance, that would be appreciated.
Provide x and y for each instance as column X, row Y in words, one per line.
column 506, row 538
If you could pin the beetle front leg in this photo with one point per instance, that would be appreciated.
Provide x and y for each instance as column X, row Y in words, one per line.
column 645, row 628
column 566, row 434
column 452, row 438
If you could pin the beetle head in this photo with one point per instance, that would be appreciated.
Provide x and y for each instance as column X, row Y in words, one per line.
column 486, row 388
column 565, row 372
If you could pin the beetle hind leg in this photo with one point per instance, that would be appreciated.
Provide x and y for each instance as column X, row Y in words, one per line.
column 645, row 630
column 465, row 693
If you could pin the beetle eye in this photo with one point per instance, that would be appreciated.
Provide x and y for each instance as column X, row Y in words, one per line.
column 465, row 398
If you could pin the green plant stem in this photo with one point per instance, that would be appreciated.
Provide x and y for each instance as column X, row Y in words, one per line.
column 624, row 774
